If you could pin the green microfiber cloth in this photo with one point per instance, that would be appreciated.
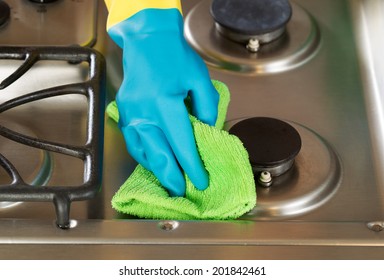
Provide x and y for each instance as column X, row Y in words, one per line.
column 231, row 191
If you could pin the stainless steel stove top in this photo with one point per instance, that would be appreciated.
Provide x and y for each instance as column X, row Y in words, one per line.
column 323, row 79
column 60, row 23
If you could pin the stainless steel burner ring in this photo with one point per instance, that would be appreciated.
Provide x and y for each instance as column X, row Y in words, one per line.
column 313, row 179
column 296, row 46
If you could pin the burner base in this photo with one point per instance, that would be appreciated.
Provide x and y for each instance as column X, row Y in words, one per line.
column 312, row 180
column 295, row 47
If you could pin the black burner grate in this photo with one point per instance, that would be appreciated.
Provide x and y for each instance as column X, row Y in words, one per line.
column 90, row 153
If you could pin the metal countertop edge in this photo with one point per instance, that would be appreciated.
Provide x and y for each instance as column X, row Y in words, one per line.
column 140, row 232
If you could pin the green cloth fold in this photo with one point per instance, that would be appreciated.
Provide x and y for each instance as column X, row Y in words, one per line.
column 231, row 191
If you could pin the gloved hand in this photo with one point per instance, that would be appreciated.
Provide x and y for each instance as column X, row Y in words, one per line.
column 160, row 71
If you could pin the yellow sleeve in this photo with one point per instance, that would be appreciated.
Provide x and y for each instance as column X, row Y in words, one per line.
column 120, row 10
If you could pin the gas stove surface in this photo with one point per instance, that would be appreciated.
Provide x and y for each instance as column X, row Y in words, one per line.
column 319, row 77
column 52, row 23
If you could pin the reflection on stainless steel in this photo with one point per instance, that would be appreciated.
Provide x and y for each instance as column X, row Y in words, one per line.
column 293, row 49
column 333, row 99
column 369, row 26
column 40, row 24
column 33, row 164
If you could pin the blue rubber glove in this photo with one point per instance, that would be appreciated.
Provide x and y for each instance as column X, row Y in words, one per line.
column 160, row 71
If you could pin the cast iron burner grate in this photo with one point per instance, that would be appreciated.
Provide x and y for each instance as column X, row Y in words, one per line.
column 91, row 153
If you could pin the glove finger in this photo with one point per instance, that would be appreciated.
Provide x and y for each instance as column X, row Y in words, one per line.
column 204, row 100
column 134, row 145
column 180, row 136
column 161, row 160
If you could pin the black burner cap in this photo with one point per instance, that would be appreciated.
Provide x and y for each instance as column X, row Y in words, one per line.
column 269, row 142
column 251, row 17
column 5, row 12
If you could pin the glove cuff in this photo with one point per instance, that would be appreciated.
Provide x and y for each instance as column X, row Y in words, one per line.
column 147, row 22
column 120, row 10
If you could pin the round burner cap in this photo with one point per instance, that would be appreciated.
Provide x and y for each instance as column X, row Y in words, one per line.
column 251, row 17
column 5, row 12
column 271, row 143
